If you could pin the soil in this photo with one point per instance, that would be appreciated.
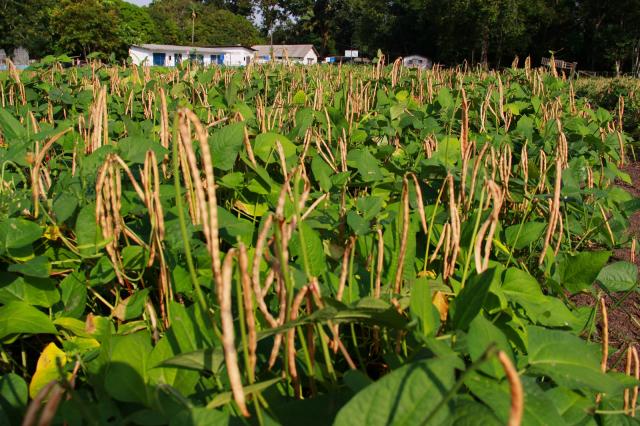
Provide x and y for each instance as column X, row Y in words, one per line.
column 623, row 309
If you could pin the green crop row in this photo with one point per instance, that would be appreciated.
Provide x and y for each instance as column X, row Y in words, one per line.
column 327, row 245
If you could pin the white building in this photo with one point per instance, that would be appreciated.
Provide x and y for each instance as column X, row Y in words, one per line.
column 417, row 61
column 304, row 54
column 169, row 56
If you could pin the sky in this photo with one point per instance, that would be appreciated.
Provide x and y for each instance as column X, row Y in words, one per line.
column 140, row 2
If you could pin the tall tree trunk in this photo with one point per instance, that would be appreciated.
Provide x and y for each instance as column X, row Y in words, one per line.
column 484, row 54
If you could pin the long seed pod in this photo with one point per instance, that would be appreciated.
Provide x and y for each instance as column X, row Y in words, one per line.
column 403, row 236
column 228, row 334
column 517, row 393
column 248, row 308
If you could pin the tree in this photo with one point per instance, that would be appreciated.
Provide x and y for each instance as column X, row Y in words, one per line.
column 85, row 26
column 214, row 23
column 136, row 24
column 27, row 23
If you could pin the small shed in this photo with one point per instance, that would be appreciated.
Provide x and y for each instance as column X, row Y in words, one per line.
column 305, row 54
column 166, row 55
column 417, row 61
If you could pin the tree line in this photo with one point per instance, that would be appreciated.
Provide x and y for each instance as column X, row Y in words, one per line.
column 599, row 35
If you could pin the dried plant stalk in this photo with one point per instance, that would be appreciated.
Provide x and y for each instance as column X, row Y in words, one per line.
column 517, row 393
column 228, row 333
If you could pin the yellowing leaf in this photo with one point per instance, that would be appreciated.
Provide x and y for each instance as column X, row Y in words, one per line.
column 442, row 304
column 257, row 210
column 47, row 368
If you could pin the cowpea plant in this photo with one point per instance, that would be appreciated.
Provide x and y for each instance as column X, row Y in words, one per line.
column 276, row 244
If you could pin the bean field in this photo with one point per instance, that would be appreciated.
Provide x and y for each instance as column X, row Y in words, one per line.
column 288, row 245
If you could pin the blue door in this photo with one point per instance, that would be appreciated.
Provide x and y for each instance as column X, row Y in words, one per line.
column 221, row 59
column 159, row 59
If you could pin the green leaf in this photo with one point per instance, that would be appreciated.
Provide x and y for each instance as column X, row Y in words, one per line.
column 520, row 287
column 74, row 295
column 422, row 308
column 619, row 276
column 530, row 232
column 538, row 409
column 34, row 291
column 366, row 163
column 209, row 360
column 133, row 149
column 299, row 98
column 568, row 360
column 358, row 225
column 38, row 267
column 13, row 396
column 132, row 306
column 200, row 417
column 406, row 396
column 126, row 372
column 225, row 144
column 471, row 413
column 233, row 228
column 224, row 398
column 18, row 233
column 11, row 127
column 578, row 272
column 265, row 146
column 312, row 250
column 21, row 318
column 87, row 231
column 472, row 298
column 322, row 173
column 483, row 334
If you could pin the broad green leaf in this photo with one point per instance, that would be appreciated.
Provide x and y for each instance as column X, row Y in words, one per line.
column 306, row 244
column 521, row 288
column 472, row 298
column 578, row 272
column 74, row 295
column 573, row 407
column 619, row 276
column 34, row 291
column 482, row 335
column 132, row 306
column 538, row 408
column 265, row 146
column 201, row 360
column 409, row 395
column 21, row 318
column 225, row 144
column 17, row 233
column 14, row 395
column 366, row 164
column 134, row 149
column 49, row 366
column 87, row 231
column 519, row 238
column 11, row 127
column 422, row 309
column 224, row 398
column 233, row 228
column 126, row 374
column 38, row 267
column 200, row 417
column 471, row 413
column 568, row 360
column 322, row 173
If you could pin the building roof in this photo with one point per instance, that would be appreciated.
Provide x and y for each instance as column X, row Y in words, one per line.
column 293, row 50
column 187, row 49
